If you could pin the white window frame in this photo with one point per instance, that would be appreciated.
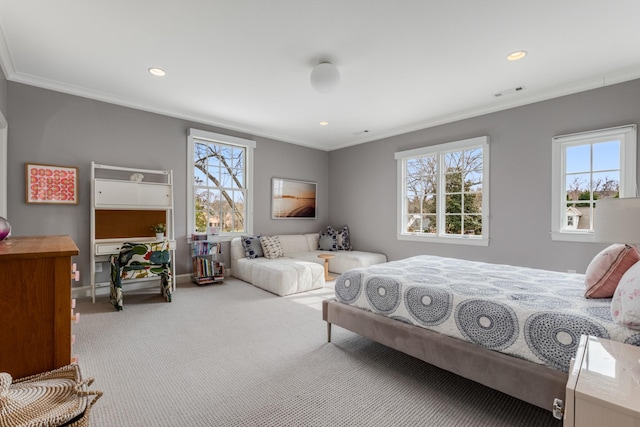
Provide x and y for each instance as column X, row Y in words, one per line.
column 439, row 150
column 628, row 187
column 249, row 145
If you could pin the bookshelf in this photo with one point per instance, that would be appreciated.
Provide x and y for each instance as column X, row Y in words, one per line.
column 205, row 258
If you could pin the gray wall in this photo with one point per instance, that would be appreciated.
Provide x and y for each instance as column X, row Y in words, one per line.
column 54, row 128
column 356, row 185
column 362, row 180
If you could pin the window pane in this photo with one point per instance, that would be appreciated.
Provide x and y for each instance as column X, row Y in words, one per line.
column 578, row 187
column 417, row 223
column 453, row 224
column 413, row 205
column 473, row 181
column 473, row 203
column 225, row 178
column 606, row 184
column 578, row 158
column 429, row 204
column 420, row 175
column 606, row 155
column 453, row 203
column 238, row 181
column 453, row 182
column 578, row 216
column 227, row 221
column 473, row 159
column 473, row 225
column 453, row 160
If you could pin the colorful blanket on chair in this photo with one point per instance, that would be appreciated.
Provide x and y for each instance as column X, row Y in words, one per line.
column 139, row 261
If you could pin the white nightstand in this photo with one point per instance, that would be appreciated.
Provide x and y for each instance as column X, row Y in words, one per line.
column 604, row 385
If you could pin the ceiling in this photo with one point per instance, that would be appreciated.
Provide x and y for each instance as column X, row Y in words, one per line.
column 244, row 65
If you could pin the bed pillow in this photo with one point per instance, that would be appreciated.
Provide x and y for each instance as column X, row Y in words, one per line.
column 343, row 242
column 625, row 305
column 271, row 247
column 252, row 246
column 328, row 241
column 606, row 269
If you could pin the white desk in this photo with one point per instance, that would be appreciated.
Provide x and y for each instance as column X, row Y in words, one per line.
column 104, row 248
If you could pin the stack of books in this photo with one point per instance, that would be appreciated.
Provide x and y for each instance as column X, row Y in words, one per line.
column 206, row 268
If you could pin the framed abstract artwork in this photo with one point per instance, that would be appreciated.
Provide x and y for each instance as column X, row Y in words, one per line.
column 51, row 184
column 292, row 199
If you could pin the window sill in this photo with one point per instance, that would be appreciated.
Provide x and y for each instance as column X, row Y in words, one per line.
column 470, row 241
column 584, row 237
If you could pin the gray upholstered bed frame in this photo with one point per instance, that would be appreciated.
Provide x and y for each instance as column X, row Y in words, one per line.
column 524, row 380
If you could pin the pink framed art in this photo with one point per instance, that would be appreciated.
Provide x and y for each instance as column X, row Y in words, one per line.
column 51, row 184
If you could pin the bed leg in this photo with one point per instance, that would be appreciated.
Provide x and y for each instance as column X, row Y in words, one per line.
column 328, row 332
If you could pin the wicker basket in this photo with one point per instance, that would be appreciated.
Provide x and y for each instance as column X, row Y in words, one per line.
column 55, row 398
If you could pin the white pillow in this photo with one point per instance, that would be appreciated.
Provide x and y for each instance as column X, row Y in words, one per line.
column 625, row 305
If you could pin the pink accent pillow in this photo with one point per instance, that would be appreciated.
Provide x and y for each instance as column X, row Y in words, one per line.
column 625, row 305
column 607, row 268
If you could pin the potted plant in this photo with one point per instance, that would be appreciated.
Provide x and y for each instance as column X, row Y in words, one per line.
column 159, row 229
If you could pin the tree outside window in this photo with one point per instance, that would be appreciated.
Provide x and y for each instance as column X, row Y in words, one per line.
column 220, row 167
column 442, row 190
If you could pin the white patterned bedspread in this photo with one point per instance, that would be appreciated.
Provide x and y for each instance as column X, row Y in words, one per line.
column 536, row 315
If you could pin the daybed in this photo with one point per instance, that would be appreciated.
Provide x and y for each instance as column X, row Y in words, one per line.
column 513, row 329
column 298, row 268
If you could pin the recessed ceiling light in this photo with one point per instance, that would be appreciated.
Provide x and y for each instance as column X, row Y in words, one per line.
column 518, row 54
column 157, row 71
column 323, row 123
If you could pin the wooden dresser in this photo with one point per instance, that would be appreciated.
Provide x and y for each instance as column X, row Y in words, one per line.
column 35, row 303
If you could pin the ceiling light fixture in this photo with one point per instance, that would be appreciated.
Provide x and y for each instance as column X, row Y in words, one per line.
column 517, row 55
column 325, row 77
column 324, row 123
column 159, row 72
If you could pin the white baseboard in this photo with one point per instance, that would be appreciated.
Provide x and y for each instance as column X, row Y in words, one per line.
column 103, row 289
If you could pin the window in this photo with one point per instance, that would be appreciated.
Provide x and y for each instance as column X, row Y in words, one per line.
column 220, row 169
column 589, row 166
column 443, row 192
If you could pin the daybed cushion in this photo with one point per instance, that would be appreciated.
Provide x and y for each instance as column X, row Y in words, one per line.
column 344, row 260
column 625, row 305
column 607, row 268
column 292, row 243
column 287, row 276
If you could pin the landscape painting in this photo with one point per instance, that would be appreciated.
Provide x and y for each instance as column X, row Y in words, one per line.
column 292, row 199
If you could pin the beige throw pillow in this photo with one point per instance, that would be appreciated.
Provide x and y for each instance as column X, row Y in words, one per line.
column 271, row 247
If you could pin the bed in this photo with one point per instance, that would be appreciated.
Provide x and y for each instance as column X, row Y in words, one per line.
column 514, row 329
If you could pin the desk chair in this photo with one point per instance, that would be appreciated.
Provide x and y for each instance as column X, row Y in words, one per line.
column 139, row 261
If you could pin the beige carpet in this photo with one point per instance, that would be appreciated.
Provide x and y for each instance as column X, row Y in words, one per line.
column 234, row 355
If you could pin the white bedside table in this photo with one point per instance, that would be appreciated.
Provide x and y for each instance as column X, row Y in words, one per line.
column 604, row 385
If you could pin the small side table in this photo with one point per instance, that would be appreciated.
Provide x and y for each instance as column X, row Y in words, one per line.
column 604, row 384
column 326, row 258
